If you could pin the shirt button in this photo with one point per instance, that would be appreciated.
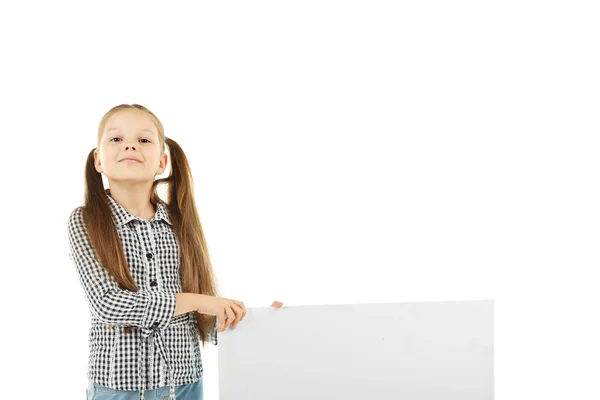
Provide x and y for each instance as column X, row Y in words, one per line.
column 155, row 325
column 153, row 283
column 149, row 255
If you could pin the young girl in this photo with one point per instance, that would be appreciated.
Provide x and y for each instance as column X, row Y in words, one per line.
column 144, row 265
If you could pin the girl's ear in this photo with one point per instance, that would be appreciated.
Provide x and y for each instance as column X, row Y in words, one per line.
column 163, row 164
column 97, row 161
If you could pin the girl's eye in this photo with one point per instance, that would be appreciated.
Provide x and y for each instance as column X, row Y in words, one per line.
column 120, row 138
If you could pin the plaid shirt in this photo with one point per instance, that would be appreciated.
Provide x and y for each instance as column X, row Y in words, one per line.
column 159, row 343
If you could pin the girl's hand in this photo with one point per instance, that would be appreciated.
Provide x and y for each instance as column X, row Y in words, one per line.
column 277, row 304
column 228, row 311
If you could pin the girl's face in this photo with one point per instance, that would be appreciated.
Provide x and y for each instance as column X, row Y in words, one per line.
column 130, row 134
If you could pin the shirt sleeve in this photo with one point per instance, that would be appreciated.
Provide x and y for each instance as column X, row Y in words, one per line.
column 109, row 303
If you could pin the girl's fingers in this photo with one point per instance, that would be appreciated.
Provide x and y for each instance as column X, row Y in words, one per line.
column 238, row 314
column 242, row 306
column 230, row 316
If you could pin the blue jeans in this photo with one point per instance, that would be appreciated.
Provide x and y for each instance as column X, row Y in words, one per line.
column 191, row 391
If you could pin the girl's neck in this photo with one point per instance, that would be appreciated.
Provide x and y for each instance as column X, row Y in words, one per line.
column 137, row 203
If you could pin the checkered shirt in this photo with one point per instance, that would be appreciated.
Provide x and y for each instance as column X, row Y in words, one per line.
column 161, row 348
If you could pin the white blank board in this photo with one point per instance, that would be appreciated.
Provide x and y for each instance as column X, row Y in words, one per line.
column 413, row 351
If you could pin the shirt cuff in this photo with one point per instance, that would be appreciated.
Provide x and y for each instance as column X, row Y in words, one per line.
column 212, row 335
column 160, row 309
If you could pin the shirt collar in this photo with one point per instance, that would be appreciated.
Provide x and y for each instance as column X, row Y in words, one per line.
column 121, row 216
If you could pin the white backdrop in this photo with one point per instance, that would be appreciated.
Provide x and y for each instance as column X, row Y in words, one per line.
column 342, row 152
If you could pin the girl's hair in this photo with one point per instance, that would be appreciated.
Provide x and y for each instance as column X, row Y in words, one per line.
column 196, row 272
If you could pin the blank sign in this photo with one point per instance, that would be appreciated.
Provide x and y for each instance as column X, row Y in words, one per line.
column 412, row 351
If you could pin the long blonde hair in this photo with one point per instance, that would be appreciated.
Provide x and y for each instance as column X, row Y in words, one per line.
column 196, row 272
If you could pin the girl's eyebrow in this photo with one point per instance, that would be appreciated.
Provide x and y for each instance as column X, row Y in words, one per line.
column 141, row 130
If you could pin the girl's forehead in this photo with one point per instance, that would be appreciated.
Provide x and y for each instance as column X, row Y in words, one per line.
column 130, row 120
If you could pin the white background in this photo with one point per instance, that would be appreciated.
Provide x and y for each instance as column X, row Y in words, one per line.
column 342, row 152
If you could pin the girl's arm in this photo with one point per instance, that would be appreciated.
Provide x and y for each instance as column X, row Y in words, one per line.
column 111, row 304
column 186, row 302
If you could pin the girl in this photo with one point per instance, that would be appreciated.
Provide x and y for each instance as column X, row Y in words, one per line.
column 144, row 265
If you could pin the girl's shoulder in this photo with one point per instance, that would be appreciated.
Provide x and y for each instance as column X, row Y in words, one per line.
column 76, row 216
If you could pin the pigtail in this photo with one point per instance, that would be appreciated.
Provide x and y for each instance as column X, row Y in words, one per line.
column 197, row 275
